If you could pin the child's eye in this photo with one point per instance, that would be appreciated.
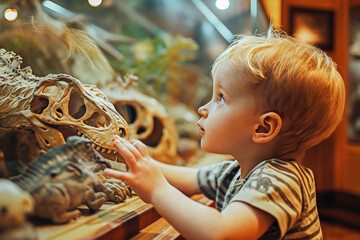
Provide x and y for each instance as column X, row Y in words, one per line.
column 221, row 98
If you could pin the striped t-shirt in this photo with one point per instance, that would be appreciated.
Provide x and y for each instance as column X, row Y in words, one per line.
column 284, row 189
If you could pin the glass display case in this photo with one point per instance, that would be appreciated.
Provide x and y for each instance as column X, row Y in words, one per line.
column 169, row 45
column 354, row 76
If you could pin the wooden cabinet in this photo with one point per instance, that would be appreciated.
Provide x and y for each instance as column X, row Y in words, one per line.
column 336, row 161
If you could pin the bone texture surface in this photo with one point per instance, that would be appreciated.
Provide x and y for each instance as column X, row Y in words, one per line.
column 55, row 107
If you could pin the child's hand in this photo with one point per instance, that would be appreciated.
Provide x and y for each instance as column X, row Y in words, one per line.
column 143, row 176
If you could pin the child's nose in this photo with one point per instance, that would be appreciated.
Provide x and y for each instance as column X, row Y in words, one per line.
column 203, row 112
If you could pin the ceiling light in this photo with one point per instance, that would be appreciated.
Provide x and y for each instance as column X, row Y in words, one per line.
column 222, row 4
column 10, row 14
column 95, row 3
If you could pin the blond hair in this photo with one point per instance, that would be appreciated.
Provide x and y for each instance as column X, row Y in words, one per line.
column 296, row 80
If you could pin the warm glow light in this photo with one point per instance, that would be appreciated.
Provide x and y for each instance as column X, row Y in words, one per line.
column 95, row 3
column 10, row 14
column 307, row 35
column 222, row 4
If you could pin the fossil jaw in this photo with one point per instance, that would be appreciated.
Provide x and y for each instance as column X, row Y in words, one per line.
column 56, row 107
column 55, row 135
column 106, row 152
column 110, row 154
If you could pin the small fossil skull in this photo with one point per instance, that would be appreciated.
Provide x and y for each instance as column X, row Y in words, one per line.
column 148, row 122
column 15, row 204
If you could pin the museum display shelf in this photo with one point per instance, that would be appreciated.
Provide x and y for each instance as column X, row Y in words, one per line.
column 132, row 219
column 120, row 221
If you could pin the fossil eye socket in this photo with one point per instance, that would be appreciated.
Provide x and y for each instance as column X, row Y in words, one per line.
column 77, row 107
column 3, row 211
column 127, row 111
column 39, row 104
column 156, row 135
column 122, row 132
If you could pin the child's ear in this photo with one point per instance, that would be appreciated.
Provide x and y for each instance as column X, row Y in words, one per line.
column 268, row 128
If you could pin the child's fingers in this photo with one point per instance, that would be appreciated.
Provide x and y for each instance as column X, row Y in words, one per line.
column 141, row 147
column 129, row 147
column 133, row 150
column 117, row 174
column 128, row 157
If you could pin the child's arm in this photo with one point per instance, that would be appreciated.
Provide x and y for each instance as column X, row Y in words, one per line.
column 196, row 221
column 182, row 178
column 193, row 220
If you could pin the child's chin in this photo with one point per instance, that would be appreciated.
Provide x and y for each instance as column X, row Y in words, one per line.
column 202, row 146
column 206, row 148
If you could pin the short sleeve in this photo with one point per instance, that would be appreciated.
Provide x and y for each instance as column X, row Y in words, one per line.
column 276, row 192
column 208, row 177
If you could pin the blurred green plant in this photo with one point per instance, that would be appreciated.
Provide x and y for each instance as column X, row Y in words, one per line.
column 157, row 62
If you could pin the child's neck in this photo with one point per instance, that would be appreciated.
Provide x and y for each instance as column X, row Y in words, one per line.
column 249, row 161
column 246, row 167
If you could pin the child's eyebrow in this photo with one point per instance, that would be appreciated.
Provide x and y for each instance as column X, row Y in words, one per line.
column 224, row 89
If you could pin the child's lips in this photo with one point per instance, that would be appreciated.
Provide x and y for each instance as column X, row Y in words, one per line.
column 201, row 130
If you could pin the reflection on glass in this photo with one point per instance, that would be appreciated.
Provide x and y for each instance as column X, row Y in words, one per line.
column 169, row 45
column 354, row 76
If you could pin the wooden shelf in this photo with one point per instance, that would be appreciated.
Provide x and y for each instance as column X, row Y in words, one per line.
column 158, row 230
column 132, row 219
column 113, row 221
column 161, row 229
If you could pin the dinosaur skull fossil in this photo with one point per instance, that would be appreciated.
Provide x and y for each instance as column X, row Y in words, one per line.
column 62, row 107
column 148, row 122
column 57, row 106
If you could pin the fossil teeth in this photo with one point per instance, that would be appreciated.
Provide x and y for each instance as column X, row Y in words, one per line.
column 93, row 145
column 103, row 150
column 116, row 159
column 98, row 148
column 79, row 133
column 109, row 151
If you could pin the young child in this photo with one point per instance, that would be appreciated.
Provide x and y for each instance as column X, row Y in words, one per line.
column 273, row 98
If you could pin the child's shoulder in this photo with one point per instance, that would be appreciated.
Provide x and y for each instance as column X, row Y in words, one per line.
column 290, row 167
column 284, row 189
column 285, row 172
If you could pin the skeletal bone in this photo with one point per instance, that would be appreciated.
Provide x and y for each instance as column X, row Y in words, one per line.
column 55, row 107
column 15, row 204
column 148, row 122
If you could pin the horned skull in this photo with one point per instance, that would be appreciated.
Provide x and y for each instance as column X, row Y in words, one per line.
column 148, row 122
